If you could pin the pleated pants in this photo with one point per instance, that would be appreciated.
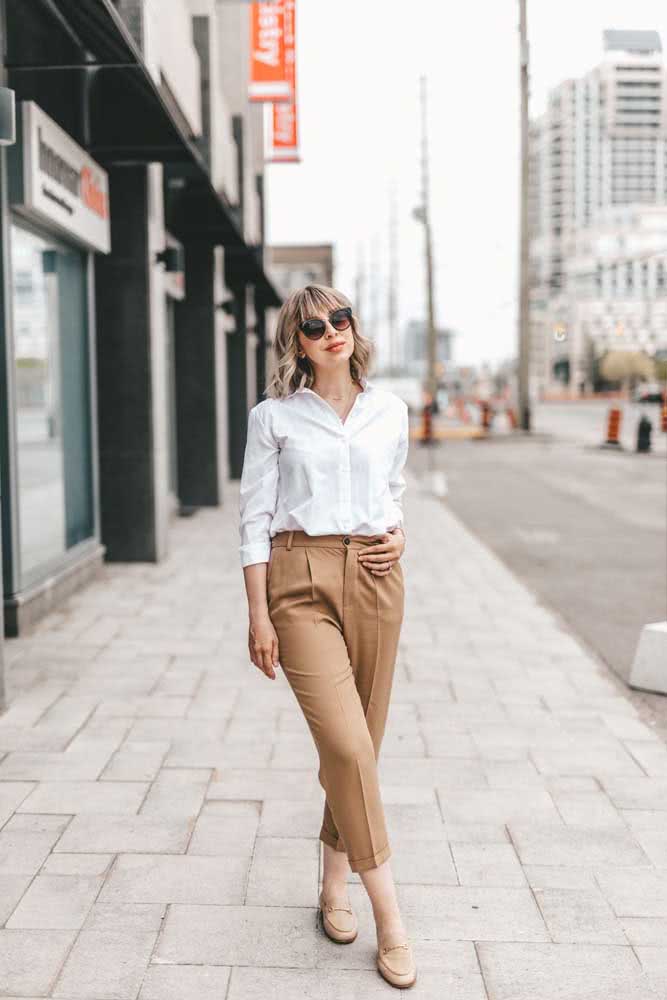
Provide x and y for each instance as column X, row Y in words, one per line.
column 338, row 627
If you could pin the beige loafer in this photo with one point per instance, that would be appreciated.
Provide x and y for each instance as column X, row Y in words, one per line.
column 396, row 964
column 339, row 922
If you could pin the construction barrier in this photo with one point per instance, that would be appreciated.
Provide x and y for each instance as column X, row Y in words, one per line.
column 427, row 424
column 614, row 426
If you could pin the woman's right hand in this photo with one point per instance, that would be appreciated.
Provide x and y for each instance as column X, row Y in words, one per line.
column 263, row 645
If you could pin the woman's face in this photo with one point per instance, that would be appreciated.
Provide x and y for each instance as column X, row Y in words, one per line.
column 334, row 347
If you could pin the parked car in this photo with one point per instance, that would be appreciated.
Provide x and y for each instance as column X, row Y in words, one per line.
column 649, row 392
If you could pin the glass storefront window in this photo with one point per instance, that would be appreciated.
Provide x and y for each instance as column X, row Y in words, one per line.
column 53, row 419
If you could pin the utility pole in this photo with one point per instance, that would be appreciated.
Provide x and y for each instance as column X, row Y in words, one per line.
column 423, row 213
column 523, row 391
column 392, row 297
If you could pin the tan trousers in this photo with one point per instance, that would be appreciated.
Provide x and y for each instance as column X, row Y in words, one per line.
column 338, row 627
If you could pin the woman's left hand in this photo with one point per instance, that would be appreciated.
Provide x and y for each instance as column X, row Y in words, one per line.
column 381, row 556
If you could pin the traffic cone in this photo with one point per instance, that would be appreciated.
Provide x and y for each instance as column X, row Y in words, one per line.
column 613, row 428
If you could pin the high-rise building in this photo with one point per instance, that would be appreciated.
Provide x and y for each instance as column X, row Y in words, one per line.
column 597, row 172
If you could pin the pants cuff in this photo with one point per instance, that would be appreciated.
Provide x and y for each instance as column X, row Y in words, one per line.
column 357, row 864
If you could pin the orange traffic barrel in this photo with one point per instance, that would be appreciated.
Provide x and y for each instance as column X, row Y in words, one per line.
column 613, row 425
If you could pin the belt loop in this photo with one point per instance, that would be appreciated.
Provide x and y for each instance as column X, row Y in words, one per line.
column 289, row 539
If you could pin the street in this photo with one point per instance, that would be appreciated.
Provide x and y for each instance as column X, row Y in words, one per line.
column 583, row 527
column 159, row 802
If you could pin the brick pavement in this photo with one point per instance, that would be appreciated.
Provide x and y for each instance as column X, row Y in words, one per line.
column 159, row 803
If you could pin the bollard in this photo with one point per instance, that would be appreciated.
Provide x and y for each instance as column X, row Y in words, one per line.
column 644, row 429
column 613, row 427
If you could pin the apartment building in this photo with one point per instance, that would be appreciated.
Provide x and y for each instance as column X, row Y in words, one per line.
column 597, row 174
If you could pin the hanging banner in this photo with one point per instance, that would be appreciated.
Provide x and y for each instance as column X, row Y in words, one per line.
column 285, row 145
column 268, row 74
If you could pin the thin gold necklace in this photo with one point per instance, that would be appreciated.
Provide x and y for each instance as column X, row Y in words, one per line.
column 346, row 398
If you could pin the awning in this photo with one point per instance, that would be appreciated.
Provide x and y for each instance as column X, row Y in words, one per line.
column 52, row 44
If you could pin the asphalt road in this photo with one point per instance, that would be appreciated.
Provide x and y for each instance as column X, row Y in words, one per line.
column 584, row 528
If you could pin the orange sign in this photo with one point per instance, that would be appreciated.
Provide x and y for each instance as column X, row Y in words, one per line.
column 268, row 74
column 285, row 146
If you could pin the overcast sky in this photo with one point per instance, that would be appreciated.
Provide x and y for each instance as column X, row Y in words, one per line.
column 358, row 75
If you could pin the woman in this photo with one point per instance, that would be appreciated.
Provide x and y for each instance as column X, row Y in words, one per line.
column 321, row 539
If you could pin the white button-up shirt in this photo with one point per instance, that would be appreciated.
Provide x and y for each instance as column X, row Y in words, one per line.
column 304, row 468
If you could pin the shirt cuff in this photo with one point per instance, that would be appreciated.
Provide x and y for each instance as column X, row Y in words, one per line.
column 254, row 552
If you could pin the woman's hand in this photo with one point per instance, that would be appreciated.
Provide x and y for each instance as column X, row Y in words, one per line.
column 381, row 556
column 263, row 645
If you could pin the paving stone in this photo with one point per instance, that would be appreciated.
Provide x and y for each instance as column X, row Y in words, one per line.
column 342, row 984
column 645, row 930
column 496, row 805
column 147, row 878
column 587, row 809
column 23, row 849
column 109, row 964
column 471, row 913
column 265, row 936
column 30, row 960
column 637, row 793
column 121, row 834
column 84, row 765
column 548, row 843
column 579, row 916
column 177, row 792
column 426, row 862
column 12, row 794
column 487, row 864
column 261, row 784
column 185, row 982
column 85, row 865
column 12, row 888
column 56, row 901
column 654, row 964
column 136, row 762
column 73, row 797
column 232, row 824
column 515, row 971
column 635, row 892
column 283, row 872
column 559, row 877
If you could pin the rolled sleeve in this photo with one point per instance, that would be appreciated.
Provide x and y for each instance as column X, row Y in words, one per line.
column 258, row 494
column 397, row 482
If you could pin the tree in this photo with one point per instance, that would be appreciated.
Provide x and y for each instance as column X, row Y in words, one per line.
column 627, row 367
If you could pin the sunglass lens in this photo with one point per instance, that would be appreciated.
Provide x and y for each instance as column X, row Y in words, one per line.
column 340, row 320
column 313, row 328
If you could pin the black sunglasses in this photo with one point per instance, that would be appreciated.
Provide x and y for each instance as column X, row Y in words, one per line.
column 340, row 320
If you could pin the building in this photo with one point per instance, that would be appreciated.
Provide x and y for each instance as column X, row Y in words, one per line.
column 136, row 306
column 294, row 266
column 598, row 159
column 415, row 347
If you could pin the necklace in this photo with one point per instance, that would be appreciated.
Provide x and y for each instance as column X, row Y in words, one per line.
column 346, row 398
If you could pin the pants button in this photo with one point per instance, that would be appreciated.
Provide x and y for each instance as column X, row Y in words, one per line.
column 347, row 539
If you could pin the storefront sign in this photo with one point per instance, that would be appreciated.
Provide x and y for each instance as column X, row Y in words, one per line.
column 285, row 144
column 54, row 181
column 268, row 73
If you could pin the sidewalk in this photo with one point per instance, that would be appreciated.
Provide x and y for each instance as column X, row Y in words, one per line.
column 159, row 802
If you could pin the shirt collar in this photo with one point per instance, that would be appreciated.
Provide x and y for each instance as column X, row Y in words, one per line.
column 364, row 380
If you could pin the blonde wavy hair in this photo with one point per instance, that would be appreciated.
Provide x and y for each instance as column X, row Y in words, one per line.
column 292, row 372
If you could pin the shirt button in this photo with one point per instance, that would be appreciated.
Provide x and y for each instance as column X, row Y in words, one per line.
column 347, row 539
